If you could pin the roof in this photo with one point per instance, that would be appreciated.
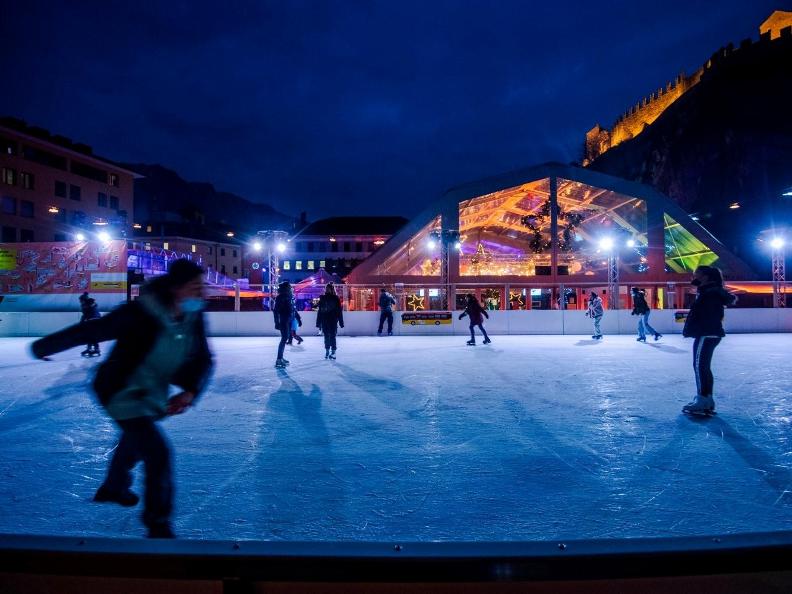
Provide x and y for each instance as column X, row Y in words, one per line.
column 355, row 226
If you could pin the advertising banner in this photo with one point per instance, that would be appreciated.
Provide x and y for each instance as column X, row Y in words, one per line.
column 426, row 318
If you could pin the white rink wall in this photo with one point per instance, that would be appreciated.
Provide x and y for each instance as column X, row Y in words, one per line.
column 364, row 323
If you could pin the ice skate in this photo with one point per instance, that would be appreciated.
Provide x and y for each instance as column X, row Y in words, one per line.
column 641, row 339
column 280, row 364
column 327, row 353
column 160, row 531
column 390, row 333
column 701, row 406
column 95, row 353
column 597, row 336
column 471, row 343
column 332, row 354
column 487, row 341
column 126, row 498
column 86, row 353
column 657, row 336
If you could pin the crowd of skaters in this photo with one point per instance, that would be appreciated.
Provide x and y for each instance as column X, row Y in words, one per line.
column 161, row 342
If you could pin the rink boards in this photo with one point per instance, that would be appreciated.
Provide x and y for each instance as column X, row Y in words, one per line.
column 364, row 323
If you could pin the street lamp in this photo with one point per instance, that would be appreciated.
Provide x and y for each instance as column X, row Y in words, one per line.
column 779, row 271
column 608, row 246
column 274, row 243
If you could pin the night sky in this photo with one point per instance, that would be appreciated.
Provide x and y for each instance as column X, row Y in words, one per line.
column 347, row 107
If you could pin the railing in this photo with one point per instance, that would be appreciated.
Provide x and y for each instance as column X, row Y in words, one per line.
column 241, row 296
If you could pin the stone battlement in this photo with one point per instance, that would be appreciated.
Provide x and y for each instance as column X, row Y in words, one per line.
column 777, row 28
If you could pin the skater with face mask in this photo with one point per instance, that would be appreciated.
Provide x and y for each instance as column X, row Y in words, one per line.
column 160, row 341
column 704, row 323
column 642, row 310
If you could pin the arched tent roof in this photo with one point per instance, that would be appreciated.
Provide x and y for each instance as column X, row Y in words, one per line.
column 514, row 207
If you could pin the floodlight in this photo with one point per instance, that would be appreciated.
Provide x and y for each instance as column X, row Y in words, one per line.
column 257, row 246
column 103, row 236
column 606, row 244
column 281, row 247
column 630, row 243
column 79, row 237
column 777, row 243
column 432, row 245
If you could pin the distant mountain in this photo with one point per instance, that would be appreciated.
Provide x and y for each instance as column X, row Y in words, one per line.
column 727, row 140
column 163, row 197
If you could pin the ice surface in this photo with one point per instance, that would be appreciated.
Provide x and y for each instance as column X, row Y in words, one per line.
column 423, row 438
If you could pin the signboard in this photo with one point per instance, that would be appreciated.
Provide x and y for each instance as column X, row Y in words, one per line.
column 426, row 318
column 63, row 267
column 680, row 316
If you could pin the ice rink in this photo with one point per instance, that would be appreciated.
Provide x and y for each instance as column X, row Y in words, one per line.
column 422, row 439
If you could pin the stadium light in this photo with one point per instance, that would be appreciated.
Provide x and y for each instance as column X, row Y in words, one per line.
column 606, row 244
column 777, row 243
column 432, row 244
column 257, row 246
column 281, row 247
column 630, row 243
column 79, row 237
column 458, row 245
column 103, row 236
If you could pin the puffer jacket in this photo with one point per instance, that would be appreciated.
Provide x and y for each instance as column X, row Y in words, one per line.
column 705, row 317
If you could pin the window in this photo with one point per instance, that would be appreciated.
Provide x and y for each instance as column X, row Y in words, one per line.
column 26, row 209
column 298, row 265
column 310, row 246
column 192, row 248
column 210, row 250
column 60, row 189
column 234, row 254
column 222, row 251
column 9, row 206
column 321, row 264
column 9, row 176
column 235, row 270
column 44, row 158
column 89, row 171
column 28, row 180
column 311, row 265
column 102, row 200
column 26, row 235
column 9, row 234
column 347, row 246
column 335, row 246
column 113, row 180
column 222, row 269
column 286, row 265
column 114, row 202
column 148, row 246
column 359, row 246
column 148, row 228
column 8, row 146
column 165, row 245
column 74, row 192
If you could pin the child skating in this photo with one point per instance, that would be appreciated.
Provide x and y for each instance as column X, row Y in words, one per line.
column 595, row 312
column 476, row 313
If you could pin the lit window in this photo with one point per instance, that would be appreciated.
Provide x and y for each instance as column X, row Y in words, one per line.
column 321, row 263
column 286, row 265
column 310, row 265
column 148, row 246
column 148, row 228
column 192, row 248
column 298, row 265
column 114, row 180
column 9, row 176
column 165, row 245
column 28, row 180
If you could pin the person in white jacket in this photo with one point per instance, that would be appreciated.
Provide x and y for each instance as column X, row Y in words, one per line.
column 595, row 312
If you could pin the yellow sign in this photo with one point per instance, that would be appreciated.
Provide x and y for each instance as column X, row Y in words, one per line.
column 108, row 281
column 426, row 318
column 8, row 258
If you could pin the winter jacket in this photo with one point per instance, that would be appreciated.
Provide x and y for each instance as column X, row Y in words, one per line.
column 386, row 302
column 89, row 309
column 640, row 306
column 139, row 328
column 476, row 313
column 284, row 311
column 705, row 317
column 595, row 308
column 330, row 312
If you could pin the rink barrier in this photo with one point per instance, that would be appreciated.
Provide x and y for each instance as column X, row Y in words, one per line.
column 755, row 563
column 364, row 323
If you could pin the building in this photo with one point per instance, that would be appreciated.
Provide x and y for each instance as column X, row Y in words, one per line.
column 532, row 239
column 632, row 122
column 53, row 188
column 336, row 244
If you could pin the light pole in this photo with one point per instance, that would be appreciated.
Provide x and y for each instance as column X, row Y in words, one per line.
column 608, row 246
column 779, row 271
column 274, row 244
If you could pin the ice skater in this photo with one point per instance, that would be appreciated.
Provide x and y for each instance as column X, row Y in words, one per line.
column 284, row 311
column 705, row 323
column 90, row 311
column 328, row 318
column 595, row 312
column 476, row 313
column 295, row 325
column 160, row 340
column 386, row 303
column 642, row 310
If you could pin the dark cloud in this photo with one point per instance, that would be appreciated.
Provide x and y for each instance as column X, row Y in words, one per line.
column 347, row 107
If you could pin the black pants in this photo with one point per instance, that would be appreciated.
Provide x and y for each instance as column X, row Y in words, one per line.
column 386, row 315
column 703, row 348
column 142, row 440
column 329, row 331
column 285, row 335
column 473, row 334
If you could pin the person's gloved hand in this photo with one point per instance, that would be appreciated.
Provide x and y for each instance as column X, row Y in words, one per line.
column 180, row 402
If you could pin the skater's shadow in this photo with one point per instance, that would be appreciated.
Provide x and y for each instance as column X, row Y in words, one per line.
column 389, row 392
column 667, row 348
column 774, row 474
column 306, row 407
column 587, row 342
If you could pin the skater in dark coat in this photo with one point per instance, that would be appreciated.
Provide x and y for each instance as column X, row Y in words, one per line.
column 295, row 326
column 285, row 313
column 476, row 313
column 160, row 341
column 642, row 310
column 705, row 323
column 329, row 317
column 90, row 311
column 386, row 303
